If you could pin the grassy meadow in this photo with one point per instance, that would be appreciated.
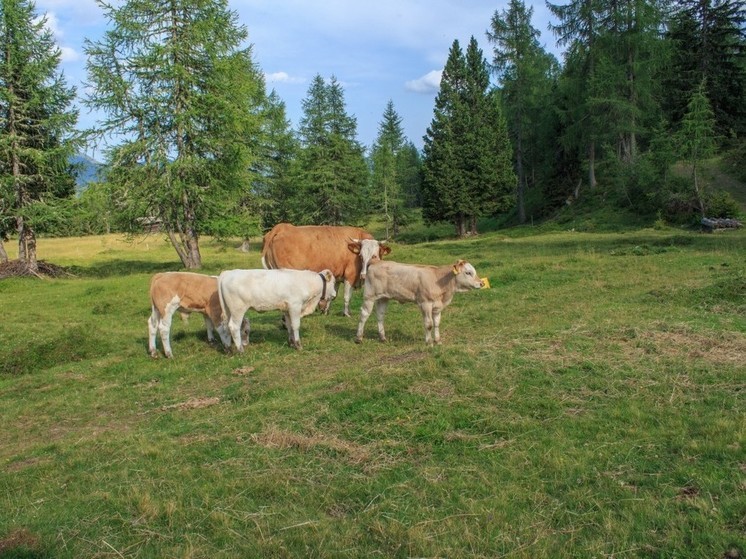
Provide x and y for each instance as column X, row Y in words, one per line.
column 590, row 404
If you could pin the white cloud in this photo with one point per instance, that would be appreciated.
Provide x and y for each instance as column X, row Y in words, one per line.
column 282, row 77
column 429, row 83
column 69, row 54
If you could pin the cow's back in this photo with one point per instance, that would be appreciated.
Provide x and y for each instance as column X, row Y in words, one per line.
column 312, row 247
column 196, row 292
column 402, row 282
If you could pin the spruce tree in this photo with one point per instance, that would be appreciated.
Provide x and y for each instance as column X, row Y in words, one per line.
column 709, row 43
column 182, row 98
column 330, row 173
column 442, row 180
column 467, row 169
column 37, row 123
column 388, row 175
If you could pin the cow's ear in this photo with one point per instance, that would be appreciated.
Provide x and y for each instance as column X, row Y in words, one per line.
column 385, row 250
column 354, row 246
column 458, row 266
column 329, row 276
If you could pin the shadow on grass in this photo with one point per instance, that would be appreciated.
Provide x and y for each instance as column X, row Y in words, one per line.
column 124, row 267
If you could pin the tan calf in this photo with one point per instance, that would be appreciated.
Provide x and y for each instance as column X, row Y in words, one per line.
column 185, row 292
column 431, row 287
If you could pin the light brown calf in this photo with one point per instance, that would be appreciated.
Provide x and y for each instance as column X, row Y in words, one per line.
column 185, row 292
column 431, row 287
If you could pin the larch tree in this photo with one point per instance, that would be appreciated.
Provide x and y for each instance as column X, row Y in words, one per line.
column 578, row 29
column 37, row 125
column 525, row 73
column 182, row 98
column 696, row 138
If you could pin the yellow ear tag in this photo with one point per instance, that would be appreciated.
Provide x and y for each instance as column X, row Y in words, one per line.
column 486, row 283
column 455, row 271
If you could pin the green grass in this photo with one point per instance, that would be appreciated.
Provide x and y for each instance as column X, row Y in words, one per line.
column 590, row 404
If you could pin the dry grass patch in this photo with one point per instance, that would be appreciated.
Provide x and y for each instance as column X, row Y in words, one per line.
column 193, row 404
column 275, row 437
column 722, row 348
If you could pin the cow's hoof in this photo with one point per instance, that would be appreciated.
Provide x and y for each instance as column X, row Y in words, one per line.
column 154, row 354
column 358, row 340
column 382, row 339
column 169, row 355
column 347, row 314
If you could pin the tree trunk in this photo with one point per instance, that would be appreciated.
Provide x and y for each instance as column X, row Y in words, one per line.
column 187, row 247
column 592, row 165
column 3, row 254
column 245, row 245
column 27, row 245
column 696, row 190
column 521, row 194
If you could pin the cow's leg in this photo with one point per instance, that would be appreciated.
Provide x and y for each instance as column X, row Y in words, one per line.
column 436, row 324
column 427, row 316
column 293, row 321
column 164, row 326
column 235, row 323
column 245, row 328
column 153, row 321
column 381, row 306
column 209, row 328
column 365, row 311
column 348, row 295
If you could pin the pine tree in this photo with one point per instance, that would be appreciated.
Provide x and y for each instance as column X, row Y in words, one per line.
column 330, row 173
column 37, row 123
column 183, row 97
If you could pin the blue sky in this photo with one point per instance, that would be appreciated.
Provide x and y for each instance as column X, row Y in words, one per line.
column 378, row 50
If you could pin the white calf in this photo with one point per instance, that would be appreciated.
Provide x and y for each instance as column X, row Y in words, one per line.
column 294, row 292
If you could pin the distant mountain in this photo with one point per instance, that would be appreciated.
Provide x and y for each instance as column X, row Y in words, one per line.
column 87, row 169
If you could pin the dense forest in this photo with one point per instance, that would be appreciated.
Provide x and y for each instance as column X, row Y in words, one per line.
column 647, row 92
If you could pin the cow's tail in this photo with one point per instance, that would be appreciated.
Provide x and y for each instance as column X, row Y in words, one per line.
column 223, row 312
column 267, row 260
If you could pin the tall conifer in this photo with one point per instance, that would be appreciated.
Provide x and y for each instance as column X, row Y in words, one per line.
column 36, row 124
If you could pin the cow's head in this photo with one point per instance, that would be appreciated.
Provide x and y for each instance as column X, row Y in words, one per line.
column 329, row 291
column 466, row 276
column 369, row 250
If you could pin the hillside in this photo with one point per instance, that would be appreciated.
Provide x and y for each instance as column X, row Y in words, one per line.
column 87, row 168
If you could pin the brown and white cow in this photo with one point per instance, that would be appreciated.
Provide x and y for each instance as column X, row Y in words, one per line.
column 294, row 292
column 346, row 251
column 185, row 292
column 431, row 287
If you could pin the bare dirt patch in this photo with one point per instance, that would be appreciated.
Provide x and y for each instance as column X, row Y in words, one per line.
column 17, row 540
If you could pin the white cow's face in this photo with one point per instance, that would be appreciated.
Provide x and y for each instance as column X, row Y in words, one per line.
column 466, row 276
column 369, row 250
